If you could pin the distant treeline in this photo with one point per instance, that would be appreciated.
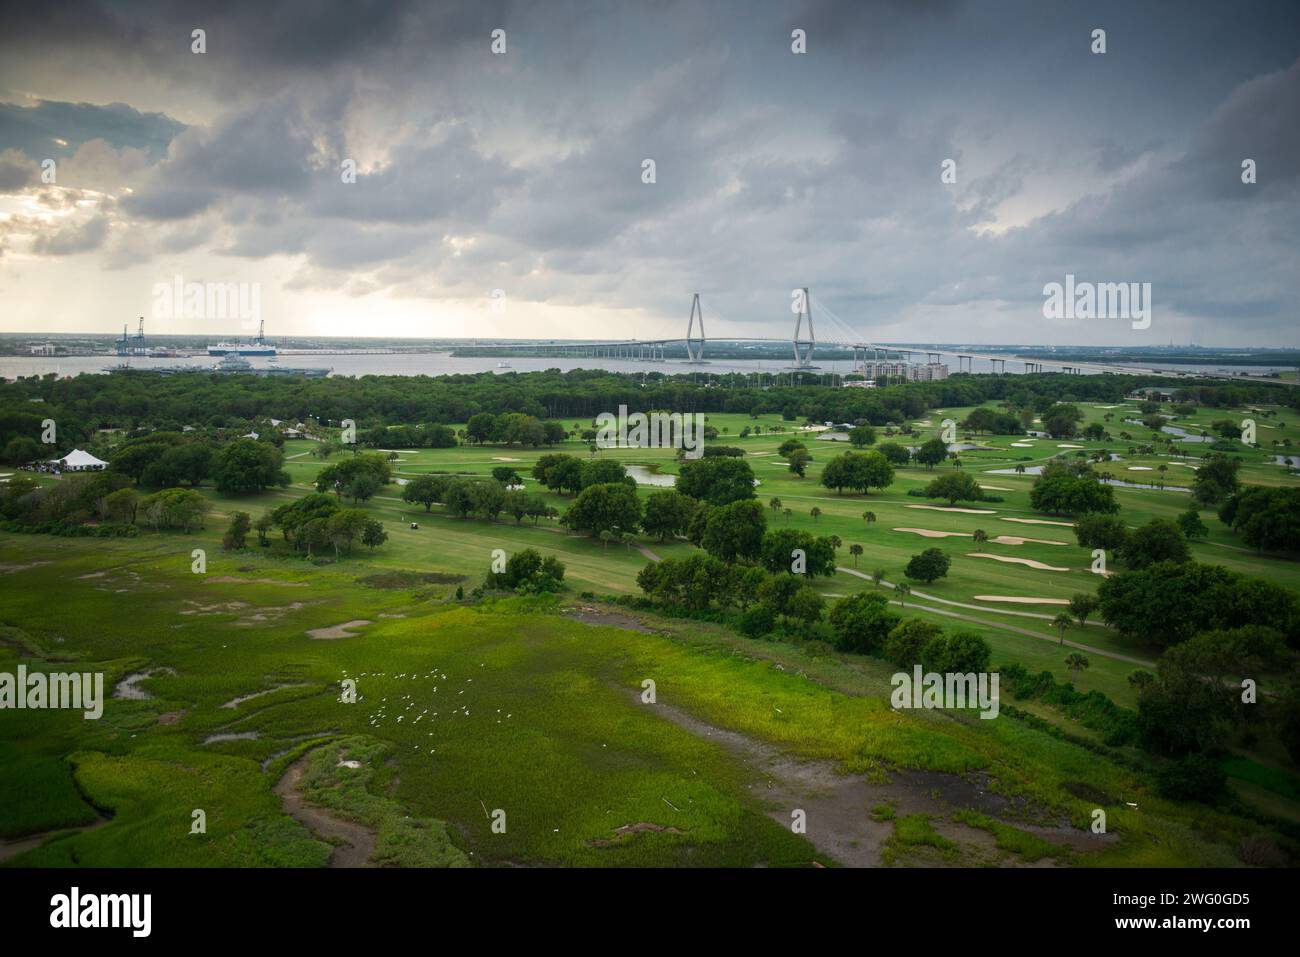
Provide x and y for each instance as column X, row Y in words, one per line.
column 130, row 401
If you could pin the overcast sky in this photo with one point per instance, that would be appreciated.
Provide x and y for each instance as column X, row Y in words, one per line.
column 522, row 171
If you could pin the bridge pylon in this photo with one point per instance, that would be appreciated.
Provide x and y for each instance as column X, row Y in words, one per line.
column 694, row 346
column 803, row 348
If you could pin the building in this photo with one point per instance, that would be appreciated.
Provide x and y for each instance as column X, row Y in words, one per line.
column 909, row 371
column 44, row 349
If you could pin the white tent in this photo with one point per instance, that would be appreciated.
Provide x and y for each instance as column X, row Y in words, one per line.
column 79, row 461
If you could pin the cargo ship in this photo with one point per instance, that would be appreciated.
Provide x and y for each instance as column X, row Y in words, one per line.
column 258, row 347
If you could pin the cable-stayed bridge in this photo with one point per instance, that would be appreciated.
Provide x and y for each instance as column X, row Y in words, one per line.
column 803, row 346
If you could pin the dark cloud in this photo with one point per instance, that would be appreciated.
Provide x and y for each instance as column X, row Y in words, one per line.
column 77, row 237
column 773, row 170
column 36, row 130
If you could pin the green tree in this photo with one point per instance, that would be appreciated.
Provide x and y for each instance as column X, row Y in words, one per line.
column 1081, row 606
column 907, row 641
column 717, row 480
column 931, row 565
column 955, row 487
column 1216, row 479
column 858, row 472
column 963, row 652
column 860, row 623
column 1160, row 540
column 735, row 531
column 425, row 490
column 236, row 532
column 608, row 507
column 1062, row 622
column 373, row 534
column 244, row 466
column 931, row 453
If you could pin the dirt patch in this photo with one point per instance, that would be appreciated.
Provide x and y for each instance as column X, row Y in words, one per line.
column 1029, row 562
column 172, row 717
column 839, row 807
column 354, row 842
column 272, row 613
column 214, row 609
column 631, row 830
column 615, row 619
column 5, row 569
column 339, row 631
column 21, row 845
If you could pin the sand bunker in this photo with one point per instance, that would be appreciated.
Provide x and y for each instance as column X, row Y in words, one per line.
column 1022, row 445
column 931, row 533
column 1139, row 468
column 997, row 488
column 1021, row 600
column 339, row 631
column 944, row 508
column 503, row 458
column 1018, row 561
column 1038, row 521
column 1065, row 446
column 1016, row 540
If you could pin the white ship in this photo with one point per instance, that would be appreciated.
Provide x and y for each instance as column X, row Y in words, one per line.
column 258, row 347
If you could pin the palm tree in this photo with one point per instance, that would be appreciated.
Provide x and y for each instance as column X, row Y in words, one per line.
column 878, row 576
column 1162, row 469
column 774, row 504
column 606, row 536
column 815, row 513
column 836, row 542
column 787, row 512
column 1075, row 661
column 868, row 517
column 855, row 551
column 1020, row 468
column 980, row 536
column 903, row 589
column 1061, row 622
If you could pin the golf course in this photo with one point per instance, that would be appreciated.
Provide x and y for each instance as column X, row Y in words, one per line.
column 387, row 705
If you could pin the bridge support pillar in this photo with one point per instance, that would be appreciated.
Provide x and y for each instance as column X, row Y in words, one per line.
column 695, row 345
column 803, row 348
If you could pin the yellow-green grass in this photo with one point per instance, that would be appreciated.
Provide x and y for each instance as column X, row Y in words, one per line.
column 556, row 734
